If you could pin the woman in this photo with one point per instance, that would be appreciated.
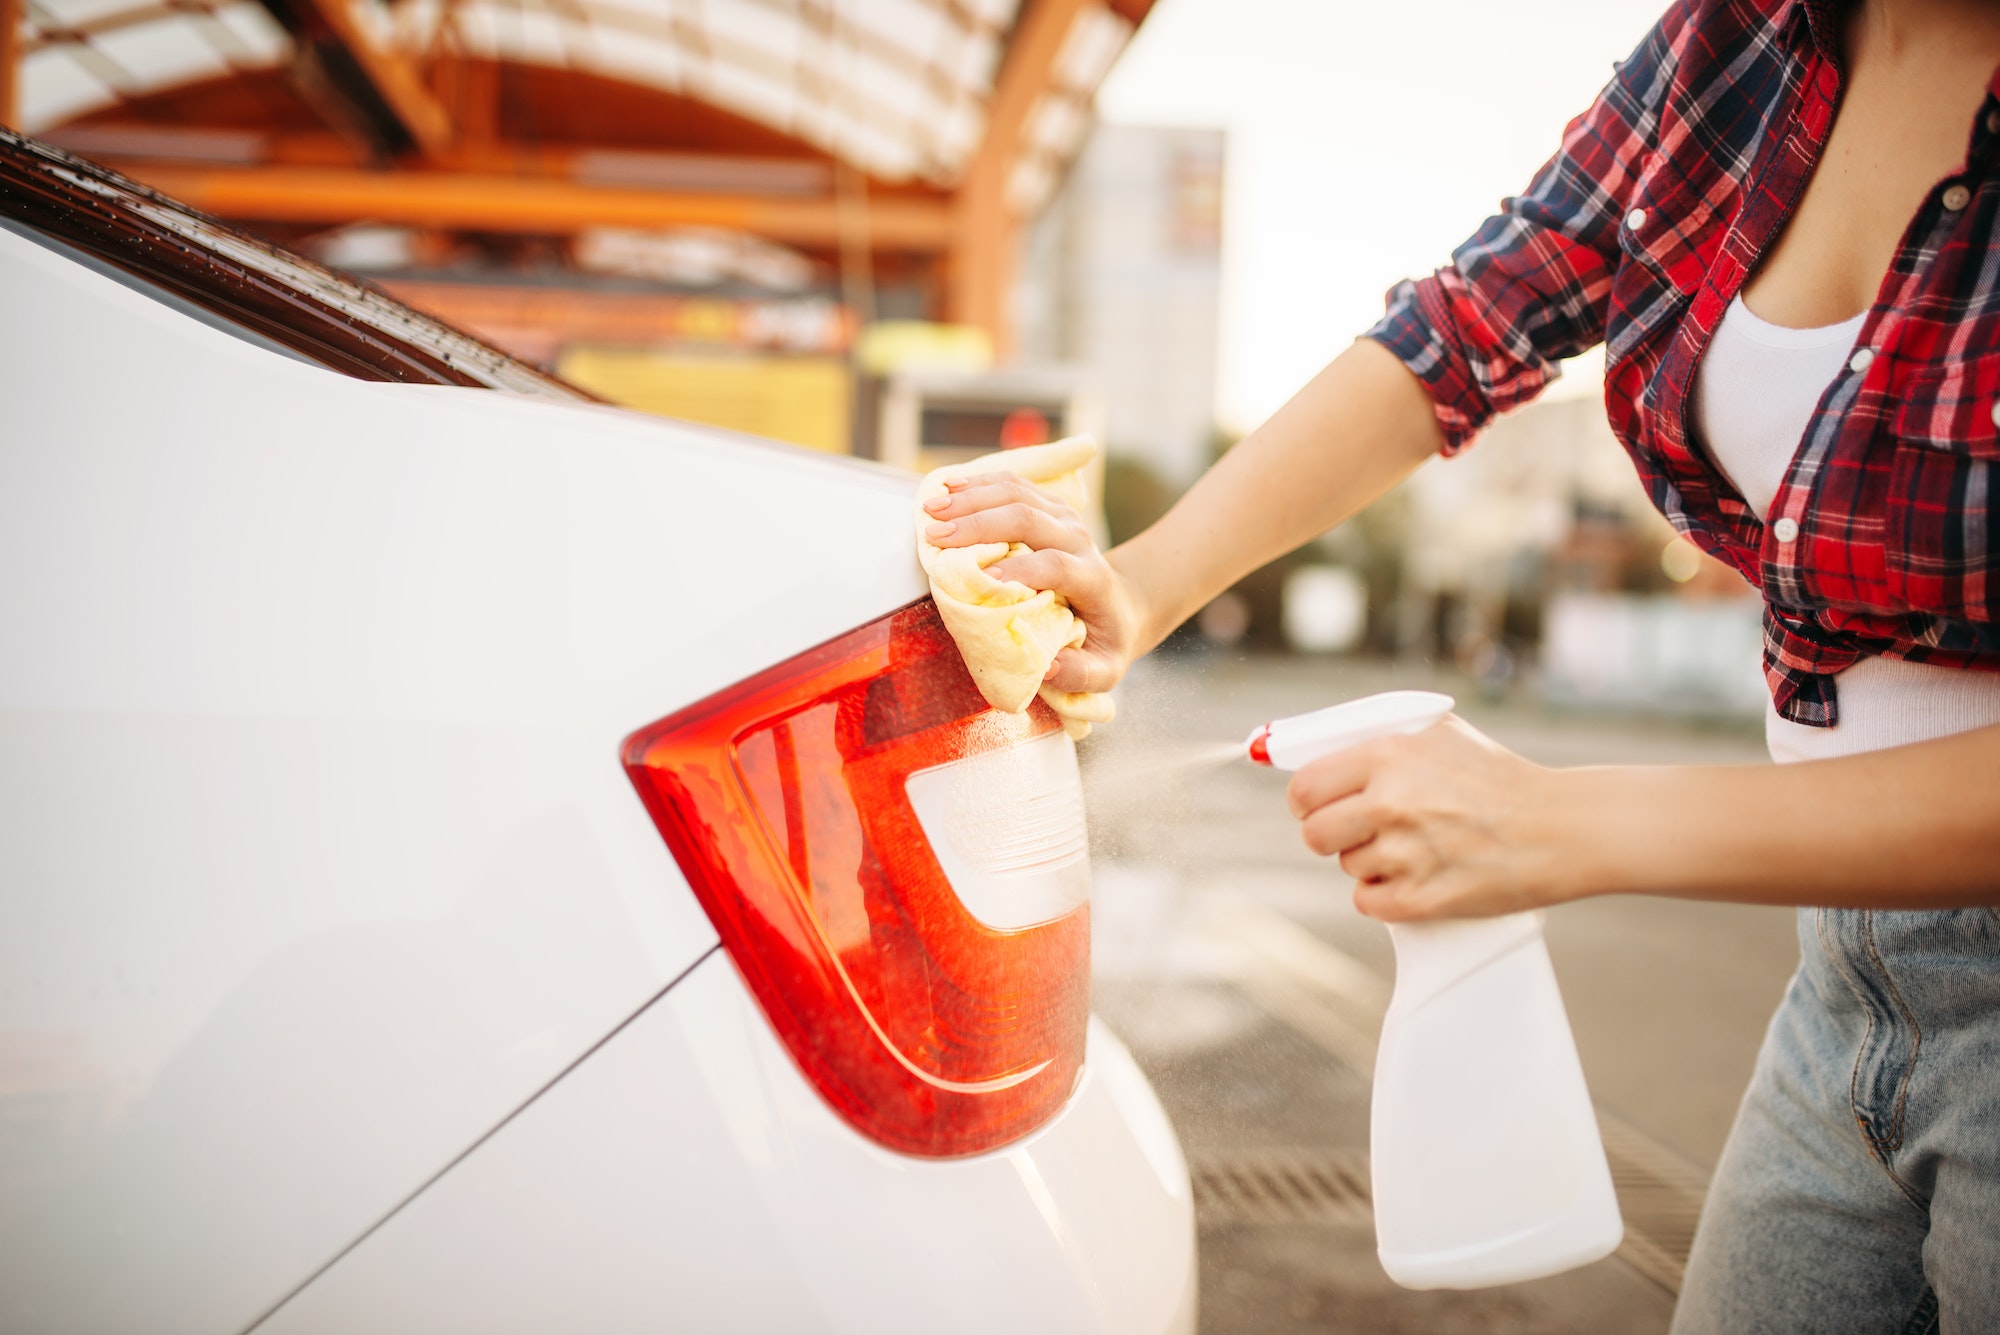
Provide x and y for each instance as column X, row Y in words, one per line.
column 1781, row 218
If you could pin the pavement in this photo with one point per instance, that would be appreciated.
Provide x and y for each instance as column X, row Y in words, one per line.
column 1230, row 959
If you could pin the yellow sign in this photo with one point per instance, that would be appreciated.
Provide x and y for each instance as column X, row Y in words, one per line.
column 805, row 400
column 888, row 346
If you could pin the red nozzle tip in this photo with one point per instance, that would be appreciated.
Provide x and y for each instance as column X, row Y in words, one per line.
column 1258, row 751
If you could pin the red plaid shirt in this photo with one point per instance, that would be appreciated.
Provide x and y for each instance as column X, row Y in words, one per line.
column 1640, row 231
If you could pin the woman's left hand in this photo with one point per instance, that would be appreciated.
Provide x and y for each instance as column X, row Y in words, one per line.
column 1442, row 824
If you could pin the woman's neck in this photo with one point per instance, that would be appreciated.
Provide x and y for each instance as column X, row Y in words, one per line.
column 1894, row 29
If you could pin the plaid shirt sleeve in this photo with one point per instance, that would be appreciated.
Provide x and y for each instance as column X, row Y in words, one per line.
column 1533, row 284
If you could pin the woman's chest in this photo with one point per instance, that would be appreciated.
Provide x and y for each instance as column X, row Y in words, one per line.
column 1902, row 125
column 1882, row 516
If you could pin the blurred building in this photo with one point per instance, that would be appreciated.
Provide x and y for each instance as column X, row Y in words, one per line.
column 1538, row 549
column 694, row 209
column 1122, row 277
column 1515, row 514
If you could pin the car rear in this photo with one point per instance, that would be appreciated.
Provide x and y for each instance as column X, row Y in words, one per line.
column 474, row 863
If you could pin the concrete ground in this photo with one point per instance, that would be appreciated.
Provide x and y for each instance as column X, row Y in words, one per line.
column 1231, row 961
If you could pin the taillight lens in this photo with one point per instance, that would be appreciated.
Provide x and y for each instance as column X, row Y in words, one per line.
column 786, row 801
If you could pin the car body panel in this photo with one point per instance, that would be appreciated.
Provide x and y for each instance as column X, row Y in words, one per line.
column 320, row 858
column 690, row 1148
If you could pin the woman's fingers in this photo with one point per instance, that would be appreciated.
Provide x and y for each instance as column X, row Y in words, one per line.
column 1082, row 670
column 1079, row 581
column 1369, row 862
column 965, row 495
column 1004, row 508
column 1393, row 899
column 1014, row 522
column 1333, row 777
column 1339, row 827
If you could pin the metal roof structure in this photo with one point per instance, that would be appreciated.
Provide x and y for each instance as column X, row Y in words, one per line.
column 928, row 127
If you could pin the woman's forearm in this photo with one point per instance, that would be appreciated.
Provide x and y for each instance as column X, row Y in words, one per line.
column 1913, row 827
column 1359, row 427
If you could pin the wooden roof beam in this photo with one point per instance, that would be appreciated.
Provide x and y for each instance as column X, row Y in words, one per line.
column 985, row 232
column 358, row 82
column 477, row 201
column 11, row 14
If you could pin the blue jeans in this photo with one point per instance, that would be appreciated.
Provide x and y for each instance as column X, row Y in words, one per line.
column 1860, row 1189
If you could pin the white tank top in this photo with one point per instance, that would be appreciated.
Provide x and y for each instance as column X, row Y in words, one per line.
column 1754, row 395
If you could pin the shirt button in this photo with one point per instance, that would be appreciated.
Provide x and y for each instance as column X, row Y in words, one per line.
column 1786, row 529
column 1862, row 359
column 1635, row 220
column 1996, row 412
column 1956, row 197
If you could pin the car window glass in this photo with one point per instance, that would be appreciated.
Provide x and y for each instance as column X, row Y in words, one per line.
column 247, row 287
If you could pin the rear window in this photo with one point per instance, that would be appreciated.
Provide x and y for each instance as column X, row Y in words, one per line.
column 237, row 283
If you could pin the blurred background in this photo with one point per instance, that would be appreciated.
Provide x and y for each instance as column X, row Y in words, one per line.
column 916, row 230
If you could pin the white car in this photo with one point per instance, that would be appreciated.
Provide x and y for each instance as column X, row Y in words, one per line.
column 476, row 860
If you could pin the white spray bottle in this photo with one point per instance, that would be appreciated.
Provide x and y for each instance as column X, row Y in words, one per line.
column 1486, row 1162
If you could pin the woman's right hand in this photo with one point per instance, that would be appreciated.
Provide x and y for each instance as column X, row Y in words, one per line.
column 1360, row 427
column 1002, row 507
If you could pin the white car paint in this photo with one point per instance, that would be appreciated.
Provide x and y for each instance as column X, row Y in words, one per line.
column 316, row 857
column 690, row 1155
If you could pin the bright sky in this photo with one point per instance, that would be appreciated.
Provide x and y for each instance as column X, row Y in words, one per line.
column 1366, row 139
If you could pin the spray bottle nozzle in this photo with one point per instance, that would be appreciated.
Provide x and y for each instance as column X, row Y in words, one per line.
column 1287, row 743
column 1257, row 745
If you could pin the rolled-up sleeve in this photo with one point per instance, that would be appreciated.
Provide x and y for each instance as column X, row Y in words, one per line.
column 1532, row 286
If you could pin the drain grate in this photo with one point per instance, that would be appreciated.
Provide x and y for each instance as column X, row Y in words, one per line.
column 1659, row 1194
column 1281, row 1186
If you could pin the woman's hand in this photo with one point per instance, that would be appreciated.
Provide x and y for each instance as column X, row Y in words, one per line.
column 1001, row 507
column 1442, row 824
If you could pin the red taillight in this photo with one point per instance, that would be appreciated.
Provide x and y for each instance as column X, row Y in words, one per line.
column 783, row 799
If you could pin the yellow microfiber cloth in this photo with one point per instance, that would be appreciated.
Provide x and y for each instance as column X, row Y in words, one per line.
column 1008, row 632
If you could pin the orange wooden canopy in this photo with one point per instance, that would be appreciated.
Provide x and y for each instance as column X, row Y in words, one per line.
column 915, row 132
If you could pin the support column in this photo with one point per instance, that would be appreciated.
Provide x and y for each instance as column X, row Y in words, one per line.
column 11, row 14
column 985, row 231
